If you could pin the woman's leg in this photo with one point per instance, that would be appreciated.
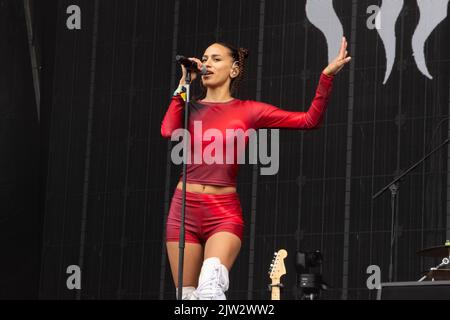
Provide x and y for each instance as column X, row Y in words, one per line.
column 193, row 251
column 225, row 246
column 193, row 258
column 221, row 250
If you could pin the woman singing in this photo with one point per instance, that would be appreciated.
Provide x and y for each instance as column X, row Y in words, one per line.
column 213, row 214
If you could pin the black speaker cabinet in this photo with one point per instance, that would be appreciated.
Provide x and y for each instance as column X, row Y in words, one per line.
column 425, row 290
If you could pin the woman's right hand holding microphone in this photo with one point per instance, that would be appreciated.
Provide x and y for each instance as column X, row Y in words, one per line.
column 193, row 73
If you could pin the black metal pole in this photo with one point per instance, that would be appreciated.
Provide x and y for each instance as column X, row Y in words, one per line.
column 410, row 169
column 393, row 189
column 181, row 245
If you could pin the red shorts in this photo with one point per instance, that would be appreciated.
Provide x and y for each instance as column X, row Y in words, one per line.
column 205, row 214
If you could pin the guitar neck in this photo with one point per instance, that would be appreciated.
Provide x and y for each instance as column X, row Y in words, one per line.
column 275, row 290
column 277, row 270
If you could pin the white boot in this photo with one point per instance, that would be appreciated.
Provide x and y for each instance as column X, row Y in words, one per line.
column 213, row 280
column 188, row 293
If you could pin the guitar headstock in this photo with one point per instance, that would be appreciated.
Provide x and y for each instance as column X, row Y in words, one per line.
column 277, row 268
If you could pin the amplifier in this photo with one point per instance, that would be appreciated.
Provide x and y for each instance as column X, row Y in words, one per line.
column 425, row 290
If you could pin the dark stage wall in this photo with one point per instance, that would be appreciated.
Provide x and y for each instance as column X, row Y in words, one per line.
column 110, row 179
column 20, row 230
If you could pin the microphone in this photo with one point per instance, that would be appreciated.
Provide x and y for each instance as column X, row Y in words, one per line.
column 190, row 65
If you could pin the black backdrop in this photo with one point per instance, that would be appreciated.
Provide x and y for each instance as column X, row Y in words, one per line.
column 110, row 181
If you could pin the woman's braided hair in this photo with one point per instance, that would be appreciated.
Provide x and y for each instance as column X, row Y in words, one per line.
column 239, row 55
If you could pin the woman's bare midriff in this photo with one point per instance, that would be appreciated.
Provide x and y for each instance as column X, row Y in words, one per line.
column 205, row 188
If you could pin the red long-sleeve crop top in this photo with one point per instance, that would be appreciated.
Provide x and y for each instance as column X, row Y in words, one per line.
column 236, row 114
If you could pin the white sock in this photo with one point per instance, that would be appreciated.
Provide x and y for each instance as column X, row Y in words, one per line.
column 187, row 293
column 213, row 280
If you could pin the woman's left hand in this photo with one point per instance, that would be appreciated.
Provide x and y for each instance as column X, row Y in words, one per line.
column 341, row 60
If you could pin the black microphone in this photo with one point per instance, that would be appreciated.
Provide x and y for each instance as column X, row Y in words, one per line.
column 190, row 65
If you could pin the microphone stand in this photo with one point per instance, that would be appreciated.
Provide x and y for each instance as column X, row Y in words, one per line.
column 393, row 187
column 186, row 152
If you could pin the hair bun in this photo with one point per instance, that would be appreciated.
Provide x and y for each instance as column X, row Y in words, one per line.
column 244, row 52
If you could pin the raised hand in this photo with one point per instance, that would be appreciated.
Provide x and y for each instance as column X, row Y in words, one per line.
column 341, row 60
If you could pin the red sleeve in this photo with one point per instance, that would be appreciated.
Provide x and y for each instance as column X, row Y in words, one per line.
column 174, row 117
column 268, row 116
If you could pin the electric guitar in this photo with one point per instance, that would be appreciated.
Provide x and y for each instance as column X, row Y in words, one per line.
column 277, row 270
